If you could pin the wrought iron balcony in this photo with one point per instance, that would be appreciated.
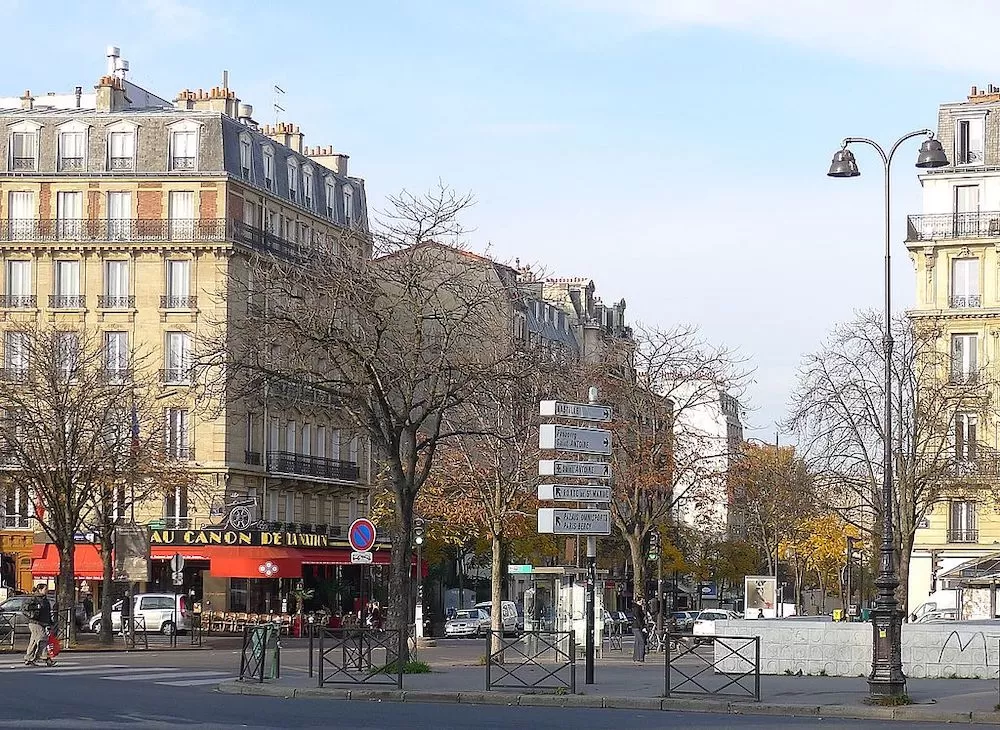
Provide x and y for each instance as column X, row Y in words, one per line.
column 182, row 163
column 180, row 453
column 299, row 392
column 14, row 374
column 116, row 376
column 960, row 376
column 24, row 164
column 18, row 301
column 177, row 375
column 122, row 164
column 113, row 301
column 16, row 522
column 67, row 301
column 70, row 164
column 980, row 224
column 285, row 462
column 139, row 230
column 178, row 301
column 965, row 301
column 963, row 535
column 266, row 242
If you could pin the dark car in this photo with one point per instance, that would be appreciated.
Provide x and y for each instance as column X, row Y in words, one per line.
column 12, row 614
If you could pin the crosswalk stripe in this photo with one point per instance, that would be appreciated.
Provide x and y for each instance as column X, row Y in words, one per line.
column 83, row 671
column 199, row 682
column 20, row 665
column 165, row 674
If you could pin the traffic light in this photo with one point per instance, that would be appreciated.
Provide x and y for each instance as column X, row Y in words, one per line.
column 654, row 546
column 935, row 569
column 418, row 531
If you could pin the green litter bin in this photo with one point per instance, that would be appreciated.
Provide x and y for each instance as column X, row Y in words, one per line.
column 866, row 614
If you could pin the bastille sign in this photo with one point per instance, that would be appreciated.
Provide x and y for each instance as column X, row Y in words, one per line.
column 579, row 411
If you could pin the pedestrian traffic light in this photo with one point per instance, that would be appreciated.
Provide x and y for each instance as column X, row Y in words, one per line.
column 935, row 569
column 418, row 531
column 654, row 546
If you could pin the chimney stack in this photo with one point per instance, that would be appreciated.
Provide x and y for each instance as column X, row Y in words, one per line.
column 327, row 157
column 27, row 101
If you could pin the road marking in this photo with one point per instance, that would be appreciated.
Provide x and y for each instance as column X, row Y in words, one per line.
column 199, row 682
column 83, row 671
column 166, row 674
column 21, row 665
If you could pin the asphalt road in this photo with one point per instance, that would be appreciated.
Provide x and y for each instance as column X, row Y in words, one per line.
column 177, row 690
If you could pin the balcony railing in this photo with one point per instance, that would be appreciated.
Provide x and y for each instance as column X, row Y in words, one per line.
column 70, row 164
column 965, row 301
column 177, row 376
column 24, row 164
column 178, row 301
column 299, row 392
column 122, row 164
column 18, row 301
column 116, row 376
column 14, row 375
column 180, row 453
column 315, row 466
column 963, row 535
column 182, row 163
column 114, row 301
column 980, row 224
column 16, row 522
column 960, row 376
column 266, row 242
column 67, row 301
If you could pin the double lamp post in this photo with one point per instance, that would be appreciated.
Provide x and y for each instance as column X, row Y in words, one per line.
column 887, row 679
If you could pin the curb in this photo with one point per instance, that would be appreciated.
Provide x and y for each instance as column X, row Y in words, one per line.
column 908, row 713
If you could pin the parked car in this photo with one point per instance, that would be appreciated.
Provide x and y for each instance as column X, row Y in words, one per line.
column 946, row 614
column 520, row 619
column 468, row 622
column 12, row 610
column 704, row 625
column 684, row 620
column 508, row 614
column 164, row 613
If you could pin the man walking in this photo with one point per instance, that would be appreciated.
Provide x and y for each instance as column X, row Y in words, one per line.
column 39, row 614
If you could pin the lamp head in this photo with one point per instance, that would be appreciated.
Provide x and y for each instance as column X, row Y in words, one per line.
column 843, row 164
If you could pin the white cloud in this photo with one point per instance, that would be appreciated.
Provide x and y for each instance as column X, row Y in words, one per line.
column 959, row 36
column 175, row 18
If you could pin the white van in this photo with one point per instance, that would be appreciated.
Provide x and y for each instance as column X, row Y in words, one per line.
column 508, row 614
column 162, row 612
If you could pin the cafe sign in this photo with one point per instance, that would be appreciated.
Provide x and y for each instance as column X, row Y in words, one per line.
column 246, row 538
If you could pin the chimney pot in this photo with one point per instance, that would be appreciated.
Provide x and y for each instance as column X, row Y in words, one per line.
column 973, row 92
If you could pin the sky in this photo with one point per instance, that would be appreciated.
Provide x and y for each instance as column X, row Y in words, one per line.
column 674, row 151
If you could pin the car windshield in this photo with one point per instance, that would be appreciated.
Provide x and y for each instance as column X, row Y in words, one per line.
column 468, row 614
column 484, row 609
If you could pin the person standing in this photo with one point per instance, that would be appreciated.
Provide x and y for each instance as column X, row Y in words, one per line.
column 639, row 632
column 39, row 614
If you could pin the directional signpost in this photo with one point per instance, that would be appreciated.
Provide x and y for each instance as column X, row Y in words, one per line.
column 589, row 522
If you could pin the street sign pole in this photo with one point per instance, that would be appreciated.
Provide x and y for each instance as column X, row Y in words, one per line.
column 591, row 580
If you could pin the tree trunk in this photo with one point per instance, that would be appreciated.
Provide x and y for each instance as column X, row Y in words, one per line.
column 107, row 587
column 903, row 556
column 66, row 586
column 496, row 596
column 400, row 583
column 822, row 589
column 638, row 569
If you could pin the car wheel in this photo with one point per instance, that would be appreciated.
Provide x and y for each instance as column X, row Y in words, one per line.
column 96, row 627
column 168, row 628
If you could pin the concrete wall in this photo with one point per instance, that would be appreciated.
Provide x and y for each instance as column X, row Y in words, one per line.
column 967, row 650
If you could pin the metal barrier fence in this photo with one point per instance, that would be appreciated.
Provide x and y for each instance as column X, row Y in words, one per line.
column 541, row 660
column 735, row 674
column 260, row 657
column 359, row 656
column 7, row 631
column 613, row 636
column 133, row 630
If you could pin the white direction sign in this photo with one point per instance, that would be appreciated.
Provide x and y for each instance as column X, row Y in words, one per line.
column 581, row 411
column 571, row 438
column 588, row 469
column 361, row 558
column 574, row 521
column 573, row 493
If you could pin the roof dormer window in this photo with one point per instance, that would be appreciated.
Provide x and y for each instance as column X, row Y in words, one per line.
column 72, row 147
column 268, row 157
column 121, row 146
column 293, row 179
column 184, row 145
column 24, row 147
column 307, row 186
column 246, row 155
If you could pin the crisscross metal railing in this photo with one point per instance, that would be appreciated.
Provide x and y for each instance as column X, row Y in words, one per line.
column 260, row 657
column 534, row 660
column 736, row 673
column 7, row 630
column 613, row 635
column 352, row 655
column 136, row 636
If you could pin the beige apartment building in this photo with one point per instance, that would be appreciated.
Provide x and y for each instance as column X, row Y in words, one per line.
column 126, row 213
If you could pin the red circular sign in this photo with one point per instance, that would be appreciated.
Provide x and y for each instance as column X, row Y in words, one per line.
column 362, row 534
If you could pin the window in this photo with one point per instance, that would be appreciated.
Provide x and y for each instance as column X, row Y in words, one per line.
column 23, row 215
column 69, row 215
column 272, row 435
column 246, row 156
column 331, row 198
column 180, row 207
column 184, row 147
column 24, row 148
column 178, row 285
column 290, row 429
column 19, row 294
column 15, row 353
column 177, row 435
column 967, row 218
column 119, row 215
column 272, row 506
column 964, row 358
column 268, row 155
column 116, row 294
column 962, row 522
column 321, row 442
column 352, row 451
column 17, row 506
column 67, row 284
column 335, row 444
column 178, row 358
column 348, row 205
column 121, row 151
column 72, row 151
column 307, row 187
column 965, row 437
column 116, row 355
column 175, row 507
column 289, row 506
column 67, row 349
column 305, row 446
column 239, row 591
column 965, row 283
column 293, row 179
column 969, row 137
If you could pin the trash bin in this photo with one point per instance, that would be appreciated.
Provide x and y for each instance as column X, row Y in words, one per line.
column 866, row 614
column 838, row 614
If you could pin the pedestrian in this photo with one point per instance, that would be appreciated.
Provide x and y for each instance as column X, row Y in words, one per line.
column 639, row 632
column 88, row 605
column 38, row 611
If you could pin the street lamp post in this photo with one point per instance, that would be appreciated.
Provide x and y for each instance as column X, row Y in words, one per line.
column 887, row 678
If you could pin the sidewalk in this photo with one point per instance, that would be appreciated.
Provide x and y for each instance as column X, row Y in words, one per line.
column 622, row 684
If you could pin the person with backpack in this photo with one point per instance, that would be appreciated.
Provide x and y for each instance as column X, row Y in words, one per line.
column 38, row 611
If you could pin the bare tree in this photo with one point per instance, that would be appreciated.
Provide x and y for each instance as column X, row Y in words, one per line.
column 397, row 331
column 662, row 451
column 837, row 411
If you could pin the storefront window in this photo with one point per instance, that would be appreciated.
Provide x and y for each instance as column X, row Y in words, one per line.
column 238, row 593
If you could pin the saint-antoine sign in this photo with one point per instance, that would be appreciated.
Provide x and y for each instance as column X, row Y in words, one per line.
column 246, row 538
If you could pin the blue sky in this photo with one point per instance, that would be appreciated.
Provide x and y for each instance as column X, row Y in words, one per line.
column 673, row 150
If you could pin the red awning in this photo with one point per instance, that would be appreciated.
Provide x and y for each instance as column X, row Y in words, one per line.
column 238, row 562
column 87, row 564
column 340, row 557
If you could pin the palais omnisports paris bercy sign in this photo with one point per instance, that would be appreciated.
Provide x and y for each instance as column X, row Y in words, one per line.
column 246, row 538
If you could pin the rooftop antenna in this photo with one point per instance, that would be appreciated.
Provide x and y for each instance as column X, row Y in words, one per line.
column 277, row 107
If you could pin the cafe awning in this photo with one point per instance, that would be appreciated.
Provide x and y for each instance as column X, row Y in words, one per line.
column 87, row 564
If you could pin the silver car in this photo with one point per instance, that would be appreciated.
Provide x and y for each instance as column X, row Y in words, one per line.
column 468, row 622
